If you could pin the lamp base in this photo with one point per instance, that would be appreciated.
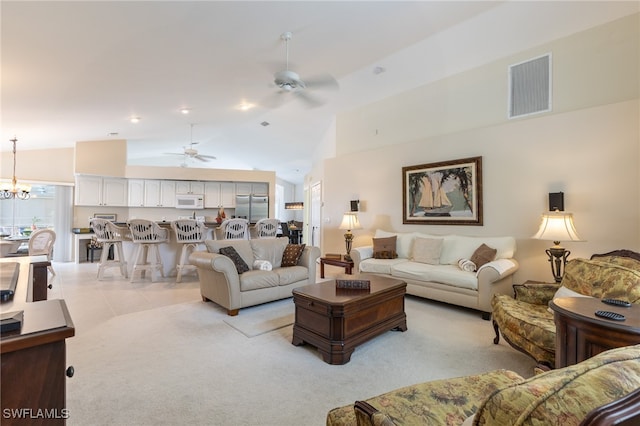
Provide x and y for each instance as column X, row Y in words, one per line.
column 558, row 260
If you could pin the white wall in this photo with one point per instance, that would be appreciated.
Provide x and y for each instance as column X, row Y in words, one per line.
column 587, row 147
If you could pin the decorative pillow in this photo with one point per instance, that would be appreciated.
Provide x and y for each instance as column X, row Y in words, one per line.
column 384, row 248
column 483, row 254
column 292, row 254
column 231, row 253
column 426, row 250
column 262, row 265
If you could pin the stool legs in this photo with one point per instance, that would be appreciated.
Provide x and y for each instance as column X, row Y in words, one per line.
column 105, row 262
column 142, row 262
column 183, row 260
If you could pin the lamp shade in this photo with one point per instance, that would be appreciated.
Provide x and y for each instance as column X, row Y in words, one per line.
column 350, row 221
column 557, row 226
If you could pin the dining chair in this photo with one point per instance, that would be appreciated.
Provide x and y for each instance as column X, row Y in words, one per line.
column 41, row 243
column 148, row 235
column 267, row 228
column 235, row 229
column 190, row 233
column 111, row 236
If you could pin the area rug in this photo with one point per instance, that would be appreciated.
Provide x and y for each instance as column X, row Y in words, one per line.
column 261, row 319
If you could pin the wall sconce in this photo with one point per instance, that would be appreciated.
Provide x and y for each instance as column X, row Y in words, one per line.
column 297, row 205
column 557, row 226
column 349, row 221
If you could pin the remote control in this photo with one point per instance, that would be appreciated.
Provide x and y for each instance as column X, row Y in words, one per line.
column 617, row 302
column 610, row 315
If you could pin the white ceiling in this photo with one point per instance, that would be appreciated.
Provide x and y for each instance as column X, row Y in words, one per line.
column 77, row 71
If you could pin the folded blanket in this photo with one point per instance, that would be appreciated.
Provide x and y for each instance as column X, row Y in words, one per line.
column 500, row 265
column 262, row 265
column 467, row 265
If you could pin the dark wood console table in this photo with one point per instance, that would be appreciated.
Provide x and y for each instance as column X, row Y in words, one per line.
column 580, row 334
column 336, row 261
column 33, row 386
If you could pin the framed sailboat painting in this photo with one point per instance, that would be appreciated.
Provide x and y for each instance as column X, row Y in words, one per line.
column 444, row 193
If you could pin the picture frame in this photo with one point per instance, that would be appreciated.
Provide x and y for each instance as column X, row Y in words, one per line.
column 443, row 193
column 108, row 216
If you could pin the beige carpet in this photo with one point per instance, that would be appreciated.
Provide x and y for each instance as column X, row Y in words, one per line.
column 257, row 320
column 183, row 364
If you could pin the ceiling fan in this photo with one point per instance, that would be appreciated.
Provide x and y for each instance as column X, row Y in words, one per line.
column 290, row 82
column 191, row 152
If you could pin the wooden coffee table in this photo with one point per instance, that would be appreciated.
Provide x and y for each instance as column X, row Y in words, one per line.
column 337, row 320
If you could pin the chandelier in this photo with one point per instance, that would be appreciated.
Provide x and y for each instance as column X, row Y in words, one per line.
column 14, row 190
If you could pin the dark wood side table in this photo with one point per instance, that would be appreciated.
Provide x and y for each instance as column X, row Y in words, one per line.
column 580, row 334
column 336, row 261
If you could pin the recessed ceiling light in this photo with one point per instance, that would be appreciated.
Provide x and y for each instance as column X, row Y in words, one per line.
column 185, row 111
column 245, row 106
column 135, row 119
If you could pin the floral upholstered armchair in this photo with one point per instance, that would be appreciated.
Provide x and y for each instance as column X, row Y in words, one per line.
column 593, row 392
column 526, row 322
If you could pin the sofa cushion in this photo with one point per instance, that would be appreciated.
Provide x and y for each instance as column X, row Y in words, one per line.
column 269, row 249
column 380, row 266
column 565, row 396
column 385, row 248
column 483, row 254
column 432, row 402
column 602, row 280
column 445, row 274
column 231, row 253
column 404, row 241
column 426, row 250
column 253, row 280
column 292, row 254
column 292, row 274
column 456, row 247
column 527, row 326
column 243, row 247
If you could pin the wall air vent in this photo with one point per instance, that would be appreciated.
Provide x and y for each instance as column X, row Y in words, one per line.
column 530, row 87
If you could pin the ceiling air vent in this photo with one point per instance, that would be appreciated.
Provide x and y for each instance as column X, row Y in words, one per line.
column 530, row 87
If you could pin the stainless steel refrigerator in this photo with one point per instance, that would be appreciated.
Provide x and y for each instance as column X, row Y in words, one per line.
column 252, row 207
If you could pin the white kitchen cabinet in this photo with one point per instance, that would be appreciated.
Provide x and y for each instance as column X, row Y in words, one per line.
column 219, row 194
column 252, row 188
column 101, row 191
column 136, row 192
column 159, row 193
column 190, row 187
column 228, row 194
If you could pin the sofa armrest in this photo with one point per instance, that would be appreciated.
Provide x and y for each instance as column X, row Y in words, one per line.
column 308, row 259
column 358, row 254
column 535, row 293
column 495, row 277
column 367, row 415
column 219, row 279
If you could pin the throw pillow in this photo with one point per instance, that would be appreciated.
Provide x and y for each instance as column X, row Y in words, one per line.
column 426, row 250
column 384, row 248
column 231, row 253
column 483, row 254
column 292, row 254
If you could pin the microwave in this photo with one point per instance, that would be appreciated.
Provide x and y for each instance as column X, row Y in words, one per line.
column 189, row 201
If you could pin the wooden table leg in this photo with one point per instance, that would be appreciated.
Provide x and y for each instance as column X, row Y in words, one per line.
column 321, row 268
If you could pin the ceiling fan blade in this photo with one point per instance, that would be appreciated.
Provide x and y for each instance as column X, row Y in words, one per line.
column 210, row 157
column 173, row 153
column 324, row 81
column 309, row 100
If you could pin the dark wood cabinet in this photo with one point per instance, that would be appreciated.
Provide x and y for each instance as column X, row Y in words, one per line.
column 33, row 370
column 580, row 334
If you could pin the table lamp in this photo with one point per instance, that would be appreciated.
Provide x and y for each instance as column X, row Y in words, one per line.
column 557, row 226
column 349, row 221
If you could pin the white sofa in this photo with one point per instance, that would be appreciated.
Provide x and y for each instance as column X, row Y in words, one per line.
column 221, row 283
column 444, row 280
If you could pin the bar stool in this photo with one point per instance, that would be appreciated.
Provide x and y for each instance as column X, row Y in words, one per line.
column 235, row 229
column 267, row 228
column 190, row 233
column 110, row 235
column 148, row 235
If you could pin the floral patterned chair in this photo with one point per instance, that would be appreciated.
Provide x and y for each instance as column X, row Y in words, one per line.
column 596, row 391
column 526, row 322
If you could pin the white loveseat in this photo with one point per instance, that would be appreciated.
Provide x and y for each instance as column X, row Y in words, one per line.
column 443, row 279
